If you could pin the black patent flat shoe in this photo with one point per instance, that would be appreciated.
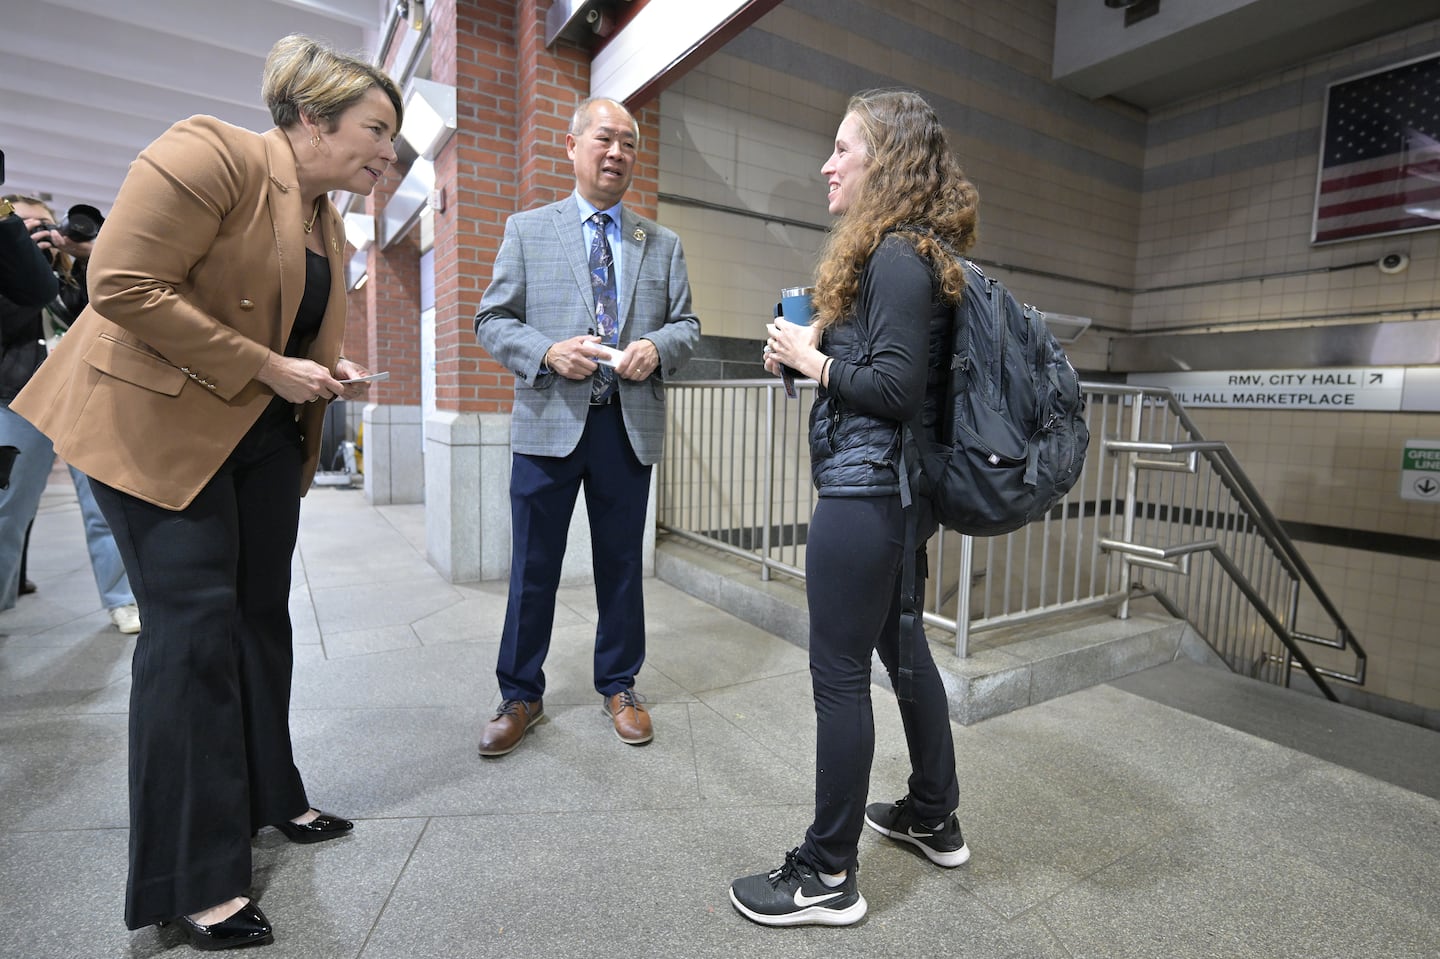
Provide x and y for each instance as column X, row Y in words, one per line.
column 248, row 927
column 319, row 829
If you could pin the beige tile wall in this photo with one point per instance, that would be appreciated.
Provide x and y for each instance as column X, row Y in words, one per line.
column 751, row 135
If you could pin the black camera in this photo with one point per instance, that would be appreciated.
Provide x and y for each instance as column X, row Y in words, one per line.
column 81, row 223
column 45, row 226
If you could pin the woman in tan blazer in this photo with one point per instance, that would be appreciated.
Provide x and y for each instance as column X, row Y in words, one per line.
column 192, row 391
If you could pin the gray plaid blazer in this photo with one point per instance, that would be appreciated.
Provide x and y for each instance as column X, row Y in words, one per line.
column 540, row 293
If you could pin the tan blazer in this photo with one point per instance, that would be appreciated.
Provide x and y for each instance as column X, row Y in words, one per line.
column 196, row 276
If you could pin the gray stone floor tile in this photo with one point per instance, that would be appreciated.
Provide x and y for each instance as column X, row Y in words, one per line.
column 48, row 624
column 732, row 768
column 362, row 606
column 1211, row 892
column 57, row 677
column 424, row 762
column 479, row 616
column 62, row 772
column 653, row 885
column 1396, row 752
column 776, row 712
column 398, row 678
column 1381, row 837
column 1123, row 749
column 324, row 898
column 706, row 654
column 1102, row 824
column 339, row 644
column 112, row 698
column 64, row 895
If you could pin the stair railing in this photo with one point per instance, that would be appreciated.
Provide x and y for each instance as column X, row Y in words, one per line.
column 1158, row 511
column 1200, row 539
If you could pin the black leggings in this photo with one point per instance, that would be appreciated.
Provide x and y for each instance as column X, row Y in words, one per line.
column 852, row 580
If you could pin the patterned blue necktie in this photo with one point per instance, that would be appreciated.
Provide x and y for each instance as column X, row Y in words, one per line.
column 607, row 313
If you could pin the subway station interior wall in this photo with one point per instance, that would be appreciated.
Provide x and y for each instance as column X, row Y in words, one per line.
column 1211, row 190
column 1059, row 176
column 1229, row 192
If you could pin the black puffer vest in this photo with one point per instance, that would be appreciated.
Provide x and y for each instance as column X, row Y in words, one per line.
column 851, row 453
column 858, row 454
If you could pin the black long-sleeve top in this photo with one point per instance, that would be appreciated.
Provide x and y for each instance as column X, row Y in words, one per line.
column 877, row 381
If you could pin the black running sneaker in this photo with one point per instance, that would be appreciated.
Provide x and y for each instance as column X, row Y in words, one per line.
column 794, row 895
column 942, row 844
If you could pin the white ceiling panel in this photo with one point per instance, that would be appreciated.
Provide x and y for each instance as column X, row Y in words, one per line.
column 86, row 84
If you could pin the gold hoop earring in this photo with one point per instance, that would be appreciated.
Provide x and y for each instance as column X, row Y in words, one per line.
column 315, row 140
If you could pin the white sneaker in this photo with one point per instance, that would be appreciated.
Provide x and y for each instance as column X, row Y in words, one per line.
column 126, row 618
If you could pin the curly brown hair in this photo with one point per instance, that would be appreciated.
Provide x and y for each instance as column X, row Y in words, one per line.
column 913, row 184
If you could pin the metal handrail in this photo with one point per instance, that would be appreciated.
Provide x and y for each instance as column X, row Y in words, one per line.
column 1154, row 496
column 1221, row 459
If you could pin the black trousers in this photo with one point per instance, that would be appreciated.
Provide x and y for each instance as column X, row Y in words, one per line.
column 853, row 558
column 210, row 756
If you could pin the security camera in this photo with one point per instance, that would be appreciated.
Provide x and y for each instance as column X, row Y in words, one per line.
column 1393, row 263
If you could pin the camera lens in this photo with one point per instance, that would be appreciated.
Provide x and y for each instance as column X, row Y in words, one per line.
column 81, row 223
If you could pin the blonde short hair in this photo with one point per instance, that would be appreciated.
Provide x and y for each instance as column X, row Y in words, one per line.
column 304, row 77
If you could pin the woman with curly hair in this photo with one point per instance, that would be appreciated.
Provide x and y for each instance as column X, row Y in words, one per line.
column 889, row 276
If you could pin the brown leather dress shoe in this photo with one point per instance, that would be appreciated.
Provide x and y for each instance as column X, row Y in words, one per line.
column 504, row 732
column 632, row 720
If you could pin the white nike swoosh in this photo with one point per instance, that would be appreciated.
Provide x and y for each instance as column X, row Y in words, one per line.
column 919, row 835
column 803, row 900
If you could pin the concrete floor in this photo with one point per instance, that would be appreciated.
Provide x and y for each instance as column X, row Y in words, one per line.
column 1107, row 823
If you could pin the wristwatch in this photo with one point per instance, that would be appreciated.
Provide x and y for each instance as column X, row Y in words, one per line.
column 6, row 208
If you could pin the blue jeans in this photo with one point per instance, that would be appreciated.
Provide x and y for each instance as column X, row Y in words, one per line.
column 19, row 503
column 105, row 561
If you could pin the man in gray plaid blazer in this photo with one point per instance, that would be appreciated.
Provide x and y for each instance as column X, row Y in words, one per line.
column 545, row 317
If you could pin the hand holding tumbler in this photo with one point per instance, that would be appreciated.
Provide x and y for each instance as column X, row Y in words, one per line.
column 795, row 307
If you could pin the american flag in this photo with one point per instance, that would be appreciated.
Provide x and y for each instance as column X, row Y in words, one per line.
column 1380, row 159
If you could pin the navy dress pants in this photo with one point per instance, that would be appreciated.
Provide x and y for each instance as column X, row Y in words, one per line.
column 543, row 490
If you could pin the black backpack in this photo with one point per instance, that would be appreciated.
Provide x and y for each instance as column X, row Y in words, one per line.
column 1001, row 439
column 1009, row 437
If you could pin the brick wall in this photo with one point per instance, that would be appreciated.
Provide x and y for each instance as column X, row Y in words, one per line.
column 515, row 100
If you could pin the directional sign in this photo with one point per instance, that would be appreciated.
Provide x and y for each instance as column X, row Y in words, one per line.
column 1351, row 389
column 1420, row 471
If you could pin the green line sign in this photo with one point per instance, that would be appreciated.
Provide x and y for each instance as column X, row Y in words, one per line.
column 1420, row 471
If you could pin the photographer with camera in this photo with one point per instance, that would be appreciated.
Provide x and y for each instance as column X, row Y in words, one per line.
column 27, row 330
column 26, row 277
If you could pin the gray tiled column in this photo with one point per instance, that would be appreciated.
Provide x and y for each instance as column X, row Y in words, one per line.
column 394, row 464
column 467, row 503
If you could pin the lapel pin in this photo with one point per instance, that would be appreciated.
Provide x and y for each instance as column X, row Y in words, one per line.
column 639, row 235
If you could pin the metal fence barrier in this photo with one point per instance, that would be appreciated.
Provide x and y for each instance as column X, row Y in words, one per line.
column 1158, row 511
